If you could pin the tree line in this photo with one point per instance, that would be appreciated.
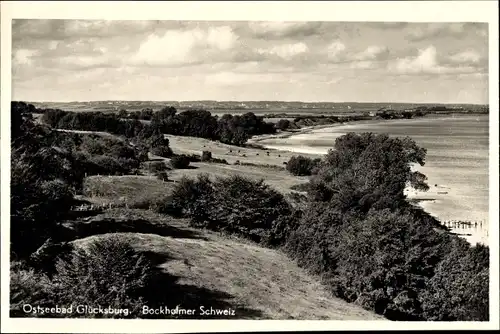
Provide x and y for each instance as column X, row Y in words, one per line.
column 229, row 129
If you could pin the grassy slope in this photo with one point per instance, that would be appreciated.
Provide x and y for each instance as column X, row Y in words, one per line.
column 190, row 145
column 250, row 277
column 276, row 175
column 126, row 189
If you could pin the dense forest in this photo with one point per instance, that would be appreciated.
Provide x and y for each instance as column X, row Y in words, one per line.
column 355, row 229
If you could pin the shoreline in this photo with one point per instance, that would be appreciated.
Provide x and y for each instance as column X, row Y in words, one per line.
column 439, row 201
column 307, row 129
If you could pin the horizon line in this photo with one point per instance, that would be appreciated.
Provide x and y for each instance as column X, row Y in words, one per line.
column 236, row 101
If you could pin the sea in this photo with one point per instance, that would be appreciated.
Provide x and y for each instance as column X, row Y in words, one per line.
column 457, row 164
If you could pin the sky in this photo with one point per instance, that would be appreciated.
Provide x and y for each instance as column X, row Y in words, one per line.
column 86, row 60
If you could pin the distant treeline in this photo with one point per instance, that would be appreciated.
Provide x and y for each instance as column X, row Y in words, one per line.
column 229, row 129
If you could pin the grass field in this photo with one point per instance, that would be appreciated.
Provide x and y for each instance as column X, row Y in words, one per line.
column 194, row 145
column 127, row 190
column 258, row 283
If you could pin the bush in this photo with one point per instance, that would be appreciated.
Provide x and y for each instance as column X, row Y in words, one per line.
column 393, row 263
column 45, row 257
column 106, row 272
column 302, row 166
column 193, row 158
column 459, row 290
column 191, row 197
column 105, row 165
column 28, row 286
column 180, row 162
column 162, row 151
column 206, row 156
column 163, row 176
column 42, row 187
column 235, row 205
column 283, row 124
column 156, row 166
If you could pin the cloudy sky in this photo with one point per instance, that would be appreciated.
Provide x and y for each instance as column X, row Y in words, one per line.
column 71, row 60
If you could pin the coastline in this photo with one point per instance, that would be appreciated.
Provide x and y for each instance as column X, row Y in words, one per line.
column 308, row 129
column 442, row 200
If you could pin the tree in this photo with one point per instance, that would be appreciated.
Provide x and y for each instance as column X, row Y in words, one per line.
column 283, row 124
column 123, row 113
column 160, row 145
column 235, row 205
column 459, row 290
column 165, row 112
column 301, row 166
column 179, row 162
column 206, row 156
column 368, row 170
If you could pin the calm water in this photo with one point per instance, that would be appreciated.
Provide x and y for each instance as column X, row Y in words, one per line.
column 457, row 161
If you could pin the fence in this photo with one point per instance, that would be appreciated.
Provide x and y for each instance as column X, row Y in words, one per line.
column 468, row 227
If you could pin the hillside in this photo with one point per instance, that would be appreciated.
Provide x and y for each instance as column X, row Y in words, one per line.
column 256, row 282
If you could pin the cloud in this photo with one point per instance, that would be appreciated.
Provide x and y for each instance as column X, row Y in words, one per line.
column 373, row 52
column 247, row 60
column 364, row 64
column 422, row 32
column 426, row 62
column 232, row 78
column 391, row 25
column 183, row 47
column 466, row 57
column 278, row 30
column 73, row 62
column 74, row 29
column 285, row 51
column 24, row 56
column 335, row 49
column 53, row 45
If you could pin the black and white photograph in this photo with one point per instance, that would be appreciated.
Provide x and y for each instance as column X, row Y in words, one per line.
column 249, row 169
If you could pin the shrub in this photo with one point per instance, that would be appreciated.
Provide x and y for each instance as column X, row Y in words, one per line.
column 180, row 162
column 105, row 165
column 236, row 205
column 106, row 272
column 45, row 257
column 283, row 124
column 394, row 263
column 156, row 166
column 162, row 175
column 301, row 166
column 206, row 156
column 191, row 197
column 162, row 151
column 459, row 290
column 28, row 286
column 193, row 158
